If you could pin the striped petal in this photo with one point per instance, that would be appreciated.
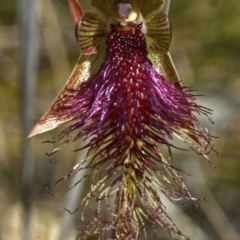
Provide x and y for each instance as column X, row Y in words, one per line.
column 159, row 34
column 91, row 34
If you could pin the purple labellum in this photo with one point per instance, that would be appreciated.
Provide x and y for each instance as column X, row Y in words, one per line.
column 125, row 97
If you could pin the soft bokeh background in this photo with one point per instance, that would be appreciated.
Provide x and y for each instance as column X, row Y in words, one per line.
column 206, row 51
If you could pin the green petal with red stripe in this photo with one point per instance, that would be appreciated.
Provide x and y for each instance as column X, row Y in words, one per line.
column 159, row 34
column 91, row 35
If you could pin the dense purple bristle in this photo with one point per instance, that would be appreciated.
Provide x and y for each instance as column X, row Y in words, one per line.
column 126, row 109
column 128, row 100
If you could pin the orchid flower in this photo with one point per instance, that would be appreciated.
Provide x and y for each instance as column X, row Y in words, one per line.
column 125, row 96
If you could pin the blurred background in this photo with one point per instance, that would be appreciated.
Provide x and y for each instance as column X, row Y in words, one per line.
column 38, row 52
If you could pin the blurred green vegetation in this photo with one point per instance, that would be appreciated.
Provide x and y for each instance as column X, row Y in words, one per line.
column 206, row 52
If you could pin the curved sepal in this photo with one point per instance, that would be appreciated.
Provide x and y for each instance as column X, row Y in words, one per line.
column 159, row 34
column 164, row 65
column 90, row 34
column 58, row 113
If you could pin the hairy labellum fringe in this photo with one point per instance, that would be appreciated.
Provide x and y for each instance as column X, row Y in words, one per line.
column 127, row 110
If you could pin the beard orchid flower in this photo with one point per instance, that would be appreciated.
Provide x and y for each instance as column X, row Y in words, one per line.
column 124, row 95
